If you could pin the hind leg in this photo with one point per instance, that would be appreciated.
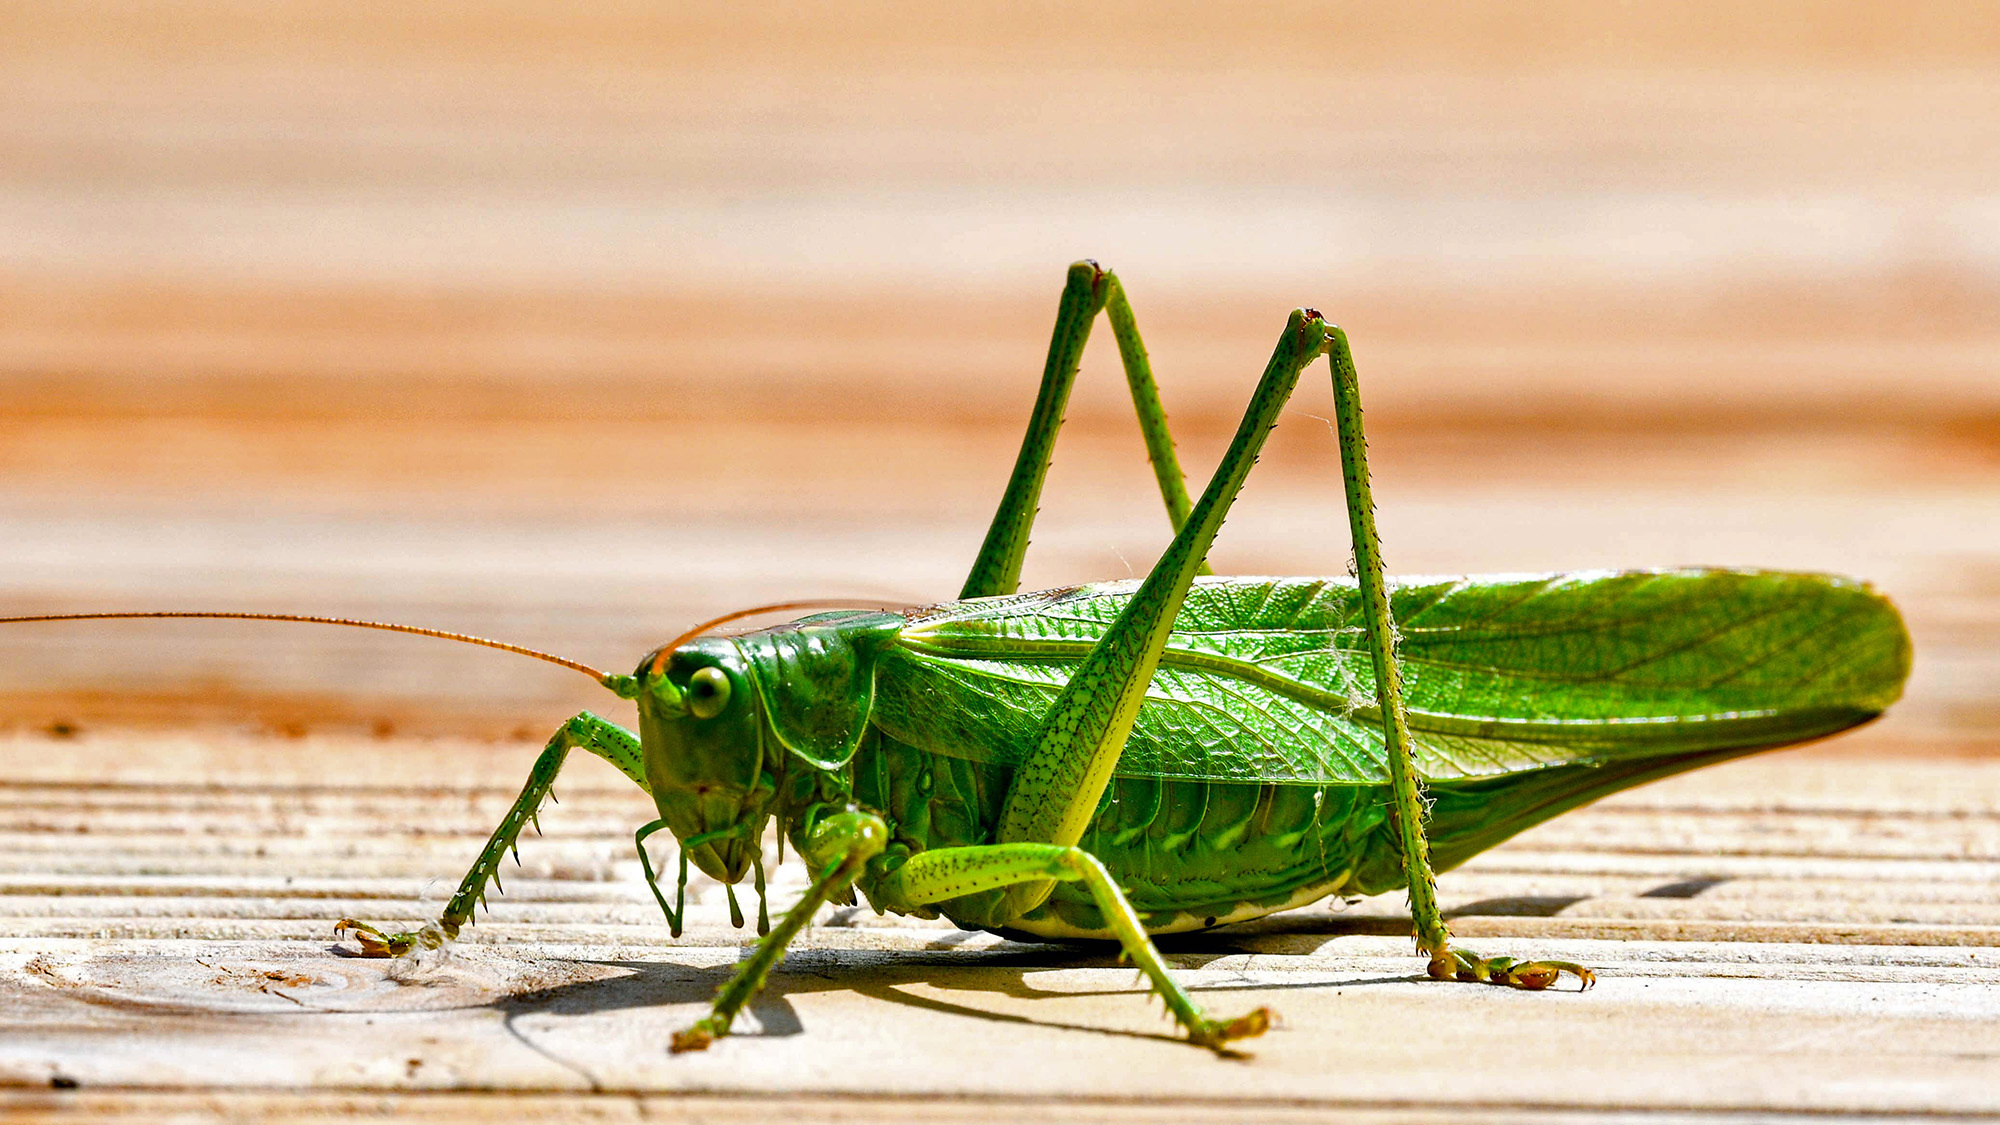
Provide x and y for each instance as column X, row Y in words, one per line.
column 1088, row 290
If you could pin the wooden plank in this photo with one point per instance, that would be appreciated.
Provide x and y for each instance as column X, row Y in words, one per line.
column 173, row 932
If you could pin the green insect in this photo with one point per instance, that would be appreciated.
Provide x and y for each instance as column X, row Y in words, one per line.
column 1124, row 759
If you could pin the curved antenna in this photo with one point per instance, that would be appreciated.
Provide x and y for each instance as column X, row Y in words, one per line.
column 665, row 651
column 464, row 638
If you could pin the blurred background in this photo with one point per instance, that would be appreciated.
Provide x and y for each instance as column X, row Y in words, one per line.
column 575, row 324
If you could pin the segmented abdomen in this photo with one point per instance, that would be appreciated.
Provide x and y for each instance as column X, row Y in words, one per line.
column 1188, row 854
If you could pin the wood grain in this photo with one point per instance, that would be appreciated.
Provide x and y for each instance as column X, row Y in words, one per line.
column 1758, row 924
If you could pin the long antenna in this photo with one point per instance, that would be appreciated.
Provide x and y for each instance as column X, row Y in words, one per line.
column 465, row 638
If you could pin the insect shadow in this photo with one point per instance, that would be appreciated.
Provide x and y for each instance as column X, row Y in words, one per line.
column 1301, row 932
column 889, row 976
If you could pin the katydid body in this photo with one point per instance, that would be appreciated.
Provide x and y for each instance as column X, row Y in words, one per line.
column 1132, row 758
column 1255, row 778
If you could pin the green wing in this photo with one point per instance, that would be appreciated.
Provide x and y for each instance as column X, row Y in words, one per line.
column 1267, row 679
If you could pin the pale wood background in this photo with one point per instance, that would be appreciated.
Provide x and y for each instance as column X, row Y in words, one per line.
column 572, row 328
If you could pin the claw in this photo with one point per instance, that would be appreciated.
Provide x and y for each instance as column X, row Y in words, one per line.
column 696, row 1038
column 375, row 943
column 1531, row 976
column 1537, row 975
column 1216, row 1034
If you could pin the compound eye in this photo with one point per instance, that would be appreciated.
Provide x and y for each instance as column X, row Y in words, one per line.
column 708, row 692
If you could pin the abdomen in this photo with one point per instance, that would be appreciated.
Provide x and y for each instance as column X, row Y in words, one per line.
column 1188, row 854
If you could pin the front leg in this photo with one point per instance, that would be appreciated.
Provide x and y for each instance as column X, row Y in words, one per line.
column 613, row 743
column 840, row 847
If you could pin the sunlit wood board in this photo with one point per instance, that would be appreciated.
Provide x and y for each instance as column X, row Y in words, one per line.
column 1809, row 931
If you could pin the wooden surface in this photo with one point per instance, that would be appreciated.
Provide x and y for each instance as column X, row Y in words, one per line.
column 573, row 329
column 1810, row 931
